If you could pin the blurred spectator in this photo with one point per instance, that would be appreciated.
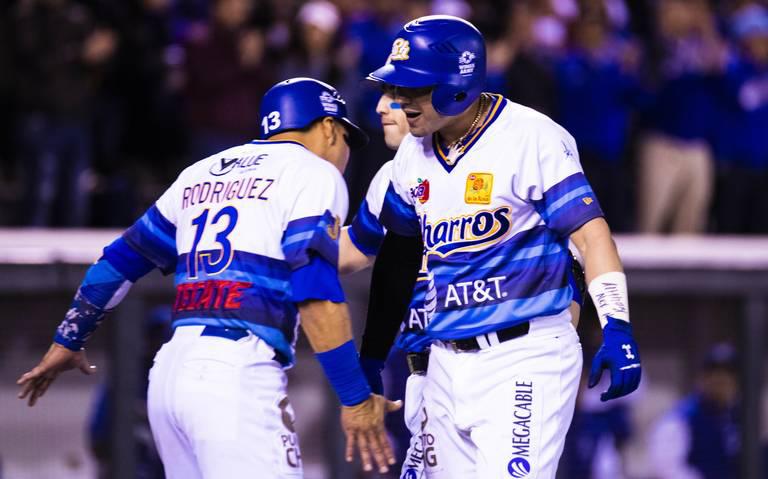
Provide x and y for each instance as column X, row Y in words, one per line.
column 598, row 86
column 156, row 331
column 225, row 79
column 699, row 438
column 316, row 44
column 514, row 71
column 59, row 57
column 676, row 170
column 742, row 201
column 595, row 444
column 7, row 193
column 139, row 120
column 368, row 35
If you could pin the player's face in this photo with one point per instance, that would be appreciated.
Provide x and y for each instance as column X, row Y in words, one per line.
column 416, row 103
column 339, row 151
column 393, row 121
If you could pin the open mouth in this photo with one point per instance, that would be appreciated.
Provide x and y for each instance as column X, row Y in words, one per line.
column 412, row 114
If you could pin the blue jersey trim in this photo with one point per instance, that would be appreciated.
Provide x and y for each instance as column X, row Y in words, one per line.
column 497, row 105
column 272, row 336
column 278, row 142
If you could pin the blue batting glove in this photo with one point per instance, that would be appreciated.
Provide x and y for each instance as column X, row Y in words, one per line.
column 620, row 355
column 372, row 369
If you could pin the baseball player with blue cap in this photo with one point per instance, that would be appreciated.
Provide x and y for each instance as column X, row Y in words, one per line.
column 496, row 192
column 251, row 235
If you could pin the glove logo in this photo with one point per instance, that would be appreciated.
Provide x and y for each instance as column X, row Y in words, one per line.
column 628, row 349
column 518, row 467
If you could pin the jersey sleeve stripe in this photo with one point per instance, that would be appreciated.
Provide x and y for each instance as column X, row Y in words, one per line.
column 154, row 237
column 398, row 215
column 571, row 195
column 366, row 232
column 569, row 204
column 127, row 260
column 306, row 235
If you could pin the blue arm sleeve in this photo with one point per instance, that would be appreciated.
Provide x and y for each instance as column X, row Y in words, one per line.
column 318, row 279
column 104, row 286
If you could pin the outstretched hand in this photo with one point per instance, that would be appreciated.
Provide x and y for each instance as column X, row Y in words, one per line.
column 58, row 359
column 363, row 425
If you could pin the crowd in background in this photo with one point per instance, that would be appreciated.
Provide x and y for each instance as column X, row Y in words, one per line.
column 102, row 102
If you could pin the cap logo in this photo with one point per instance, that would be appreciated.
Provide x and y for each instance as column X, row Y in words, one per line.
column 329, row 102
column 467, row 63
column 400, row 50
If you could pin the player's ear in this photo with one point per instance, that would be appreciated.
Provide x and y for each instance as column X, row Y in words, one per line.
column 328, row 127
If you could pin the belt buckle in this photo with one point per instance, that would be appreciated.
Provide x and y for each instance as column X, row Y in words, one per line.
column 417, row 363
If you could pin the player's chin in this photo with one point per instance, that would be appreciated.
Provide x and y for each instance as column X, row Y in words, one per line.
column 420, row 131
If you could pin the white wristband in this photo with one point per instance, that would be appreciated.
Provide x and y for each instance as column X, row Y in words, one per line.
column 609, row 293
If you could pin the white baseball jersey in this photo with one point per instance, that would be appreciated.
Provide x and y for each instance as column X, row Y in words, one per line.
column 235, row 225
column 495, row 223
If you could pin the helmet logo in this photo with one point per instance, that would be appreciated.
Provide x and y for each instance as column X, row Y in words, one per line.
column 467, row 63
column 400, row 50
column 329, row 102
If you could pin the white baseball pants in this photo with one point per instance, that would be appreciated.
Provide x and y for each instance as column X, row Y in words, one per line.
column 501, row 412
column 218, row 409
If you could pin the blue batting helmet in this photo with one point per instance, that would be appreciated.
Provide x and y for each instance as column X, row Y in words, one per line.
column 296, row 103
column 441, row 51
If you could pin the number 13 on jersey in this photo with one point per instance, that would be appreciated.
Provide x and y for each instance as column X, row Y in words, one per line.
column 216, row 260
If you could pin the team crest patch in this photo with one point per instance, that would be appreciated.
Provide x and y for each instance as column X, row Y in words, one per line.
column 334, row 228
column 401, row 48
column 479, row 188
column 421, row 192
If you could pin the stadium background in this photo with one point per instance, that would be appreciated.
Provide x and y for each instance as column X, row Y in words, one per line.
column 102, row 102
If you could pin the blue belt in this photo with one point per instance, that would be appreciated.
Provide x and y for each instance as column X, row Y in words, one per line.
column 227, row 333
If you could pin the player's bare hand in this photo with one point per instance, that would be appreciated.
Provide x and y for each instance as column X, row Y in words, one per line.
column 58, row 359
column 363, row 425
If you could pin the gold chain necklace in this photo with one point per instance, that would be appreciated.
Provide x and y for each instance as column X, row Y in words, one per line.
column 453, row 147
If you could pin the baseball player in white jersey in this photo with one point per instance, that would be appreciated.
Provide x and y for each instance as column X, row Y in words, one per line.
column 395, row 307
column 496, row 190
column 251, row 235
